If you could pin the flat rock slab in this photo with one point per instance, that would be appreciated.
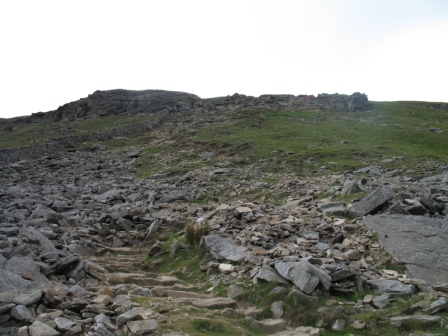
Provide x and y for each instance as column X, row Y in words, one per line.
column 421, row 243
column 214, row 303
column 401, row 321
column 299, row 331
column 267, row 326
column 224, row 248
column 371, row 203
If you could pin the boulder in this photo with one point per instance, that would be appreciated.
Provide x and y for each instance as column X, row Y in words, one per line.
column 224, row 248
column 371, row 203
column 304, row 275
column 143, row 327
column 415, row 241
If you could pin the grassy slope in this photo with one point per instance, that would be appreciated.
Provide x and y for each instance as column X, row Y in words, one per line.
column 38, row 133
column 339, row 140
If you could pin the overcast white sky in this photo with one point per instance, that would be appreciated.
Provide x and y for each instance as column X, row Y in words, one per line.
column 54, row 52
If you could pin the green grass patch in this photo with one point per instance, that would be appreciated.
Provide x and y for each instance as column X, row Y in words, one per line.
column 33, row 134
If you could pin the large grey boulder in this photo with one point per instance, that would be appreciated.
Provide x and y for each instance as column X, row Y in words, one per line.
column 224, row 248
column 25, row 265
column 304, row 275
column 10, row 281
column 36, row 240
column 420, row 243
column 371, row 203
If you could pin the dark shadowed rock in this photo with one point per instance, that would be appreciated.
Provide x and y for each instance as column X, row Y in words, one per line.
column 61, row 265
column 417, row 242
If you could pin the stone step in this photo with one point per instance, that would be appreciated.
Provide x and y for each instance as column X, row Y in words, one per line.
column 160, row 291
column 141, row 279
column 214, row 303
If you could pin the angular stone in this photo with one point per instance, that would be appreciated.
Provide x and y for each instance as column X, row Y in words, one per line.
column 27, row 297
column 141, row 291
column 397, row 209
column 342, row 274
column 234, row 290
column 392, row 287
column 381, row 301
column 130, row 315
column 226, row 268
column 10, row 281
column 61, row 265
column 358, row 324
column 63, row 323
column 332, row 208
column 21, row 313
column 299, row 297
column 437, row 305
column 371, row 203
column 338, row 325
column 125, row 224
column 350, row 187
column 224, row 248
column 41, row 329
column 36, row 240
column 305, row 276
column 142, row 327
column 277, row 309
column 102, row 299
column 5, row 307
column 173, row 196
column 122, row 301
column 267, row 273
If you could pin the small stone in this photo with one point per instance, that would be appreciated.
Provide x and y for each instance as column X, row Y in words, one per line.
column 277, row 309
column 381, row 301
column 226, row 268
column 358, row 324
column 142, row 327
column 338, row 325
column 41, row 329
column 368, row 298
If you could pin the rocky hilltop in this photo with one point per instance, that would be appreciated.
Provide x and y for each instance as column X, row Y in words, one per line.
column 89, row 248
column 155, row 102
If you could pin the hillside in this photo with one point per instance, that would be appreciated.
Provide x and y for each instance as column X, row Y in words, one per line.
column 156, row 212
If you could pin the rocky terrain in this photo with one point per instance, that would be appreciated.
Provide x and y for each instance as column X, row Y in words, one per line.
column 89, row 248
